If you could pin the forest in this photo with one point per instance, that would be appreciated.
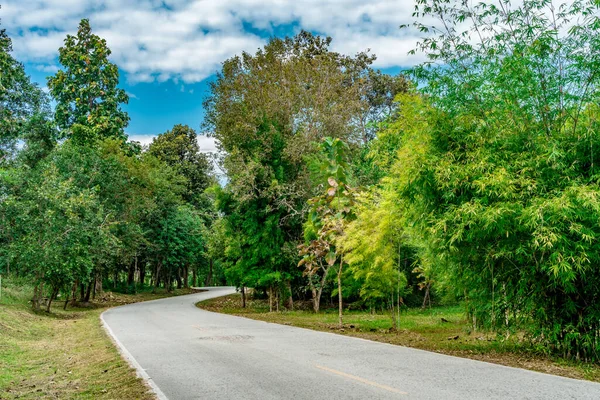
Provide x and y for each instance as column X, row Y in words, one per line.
column 469, row 179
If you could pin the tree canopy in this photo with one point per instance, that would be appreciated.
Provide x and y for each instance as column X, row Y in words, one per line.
column 470, row 179
column 88, row 99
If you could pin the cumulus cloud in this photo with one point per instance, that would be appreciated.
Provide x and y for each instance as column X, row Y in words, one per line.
column 142, row 139
column 206, row 144
column 186, row 40
column 47, row 68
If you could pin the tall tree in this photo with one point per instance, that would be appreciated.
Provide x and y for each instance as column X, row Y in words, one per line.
column 179, row 148
column 501, row 176
column 88, row 101
column 266, row 111
column 20, row 100
column 62, row 229
column 24, row 116
column 329, row 215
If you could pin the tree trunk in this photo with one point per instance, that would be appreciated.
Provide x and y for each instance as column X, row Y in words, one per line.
column 290, row 301
column 142, row 279
column 168, row 280
column 426, row 297
column 186, row 276
column 178, row 278
column 130, row 274
column 136, row 274
column 81, row 292
column 318, row 292
column 270, row 298
column 277, row 299
column 340, row 299
column 98, row 288
column 209, row 277
column 74, row 293
column 156, row 277
column 35, row 301
column 94, row 287
column 315, row 297
column 88, row 292
column 66, row 302
column 194, row 276
column 116, row 276
column 243, row 297
column 52, row 296
column 393, row 309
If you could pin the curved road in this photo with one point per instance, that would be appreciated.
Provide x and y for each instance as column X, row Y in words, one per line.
column 188, row 353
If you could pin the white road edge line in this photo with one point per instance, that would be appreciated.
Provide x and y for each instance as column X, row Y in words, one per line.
column 132, row 361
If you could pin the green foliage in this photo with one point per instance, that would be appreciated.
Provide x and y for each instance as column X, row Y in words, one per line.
column 500, row 182
column 20, row 101
column 60, row 229
column 479, row 182
column 329, row 214
column 266, row 110
column 373, row 245
column 86, row 93
column 76, row 212
column 179, row 149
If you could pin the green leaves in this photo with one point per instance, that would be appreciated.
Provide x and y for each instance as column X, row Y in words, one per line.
column 20, row 102
column 329, row 213
column 179, row 149
column 499, row 178
column 61, row 229
column 88, row 99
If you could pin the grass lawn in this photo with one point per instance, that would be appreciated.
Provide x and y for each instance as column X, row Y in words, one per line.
column 422, row 329
column 66, row 354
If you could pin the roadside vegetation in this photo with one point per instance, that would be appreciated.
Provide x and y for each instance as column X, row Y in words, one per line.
column 442, row 329
column 470, row 179
column 65, row 354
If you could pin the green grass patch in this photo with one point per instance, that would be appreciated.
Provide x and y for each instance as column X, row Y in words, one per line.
column 65, row 354
column 439, row 329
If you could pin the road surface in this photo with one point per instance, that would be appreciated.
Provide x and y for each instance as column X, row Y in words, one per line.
column 188, row 353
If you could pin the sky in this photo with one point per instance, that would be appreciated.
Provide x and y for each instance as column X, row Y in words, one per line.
column 168, row 51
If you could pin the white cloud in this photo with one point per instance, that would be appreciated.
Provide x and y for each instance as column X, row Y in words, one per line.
column 187, row 40
column 207, row 144
column 52, row 69
column 143, row 139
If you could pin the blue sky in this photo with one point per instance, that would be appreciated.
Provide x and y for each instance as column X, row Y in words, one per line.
column 168, row 51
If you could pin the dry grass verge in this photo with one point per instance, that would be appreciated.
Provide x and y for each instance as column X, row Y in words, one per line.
column 64, row 355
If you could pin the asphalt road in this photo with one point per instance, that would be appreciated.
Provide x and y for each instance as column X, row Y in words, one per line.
column 188, row 353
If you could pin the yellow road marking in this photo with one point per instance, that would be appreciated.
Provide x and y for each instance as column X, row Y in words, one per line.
column 361, row 380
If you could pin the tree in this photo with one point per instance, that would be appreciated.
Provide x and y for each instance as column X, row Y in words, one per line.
column 61, row 229
column 86, row 93
column 158, row 197
column 181, row 242
column 179, row 149
column 266, row 111
column 500, row 179
column 330, row 213
column 20, row 101
column 25, row 116
column 376, row 249
column 78, row 213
